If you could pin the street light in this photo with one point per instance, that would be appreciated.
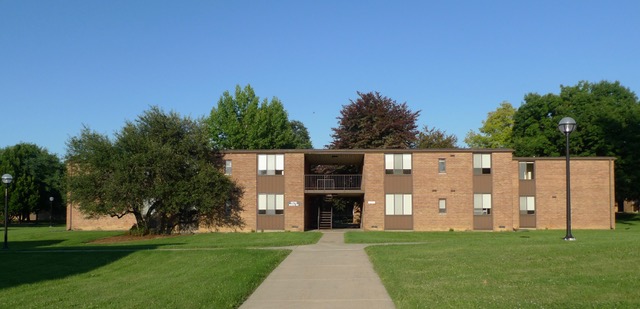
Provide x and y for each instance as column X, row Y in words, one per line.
column 6, row 179
column 566, row 126
column 50, row 211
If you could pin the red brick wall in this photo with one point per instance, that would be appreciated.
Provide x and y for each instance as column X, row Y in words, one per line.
column 455, row 186
column 244, row 171
column 294, row 191
column 373, row 186
column 592, row 194
column 77, row 221
column 505, row 186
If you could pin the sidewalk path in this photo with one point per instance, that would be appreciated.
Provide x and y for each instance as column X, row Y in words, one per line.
column 329, row 274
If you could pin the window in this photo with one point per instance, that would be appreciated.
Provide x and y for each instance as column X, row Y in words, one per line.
column 227, row 167
column 271, row 164
column 526, row 170
column 398, row 204
column 482, row 204
column 442, row 206
column 527, row 205
column 227, row 209
column 397, row 164
column 271, row 204
column 481, row 163
column 442, row 166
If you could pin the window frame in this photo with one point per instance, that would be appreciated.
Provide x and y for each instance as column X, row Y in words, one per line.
column 482, row 204
column 529, row 200
column 482, row 164
column 270, row 164
column 393, row 209
column 526, row 173
column 442, row 166
column 442, row 206
column 228, row 167
column 392, row 160
column 270, row 204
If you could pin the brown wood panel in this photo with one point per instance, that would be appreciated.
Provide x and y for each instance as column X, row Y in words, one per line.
column 398, row 222
column 482, row 184
column 483, row 222
column 398, row 184
column 270, row 222
column 270, row 184
column 527, row 221
column 527, row 188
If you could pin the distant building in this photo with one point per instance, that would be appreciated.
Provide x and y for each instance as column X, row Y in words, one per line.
column 410, row 189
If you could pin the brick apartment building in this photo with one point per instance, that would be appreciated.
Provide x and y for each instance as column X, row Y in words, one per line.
column 408, row 189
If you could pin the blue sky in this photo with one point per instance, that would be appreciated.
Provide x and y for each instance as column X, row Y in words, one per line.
column 65, row 63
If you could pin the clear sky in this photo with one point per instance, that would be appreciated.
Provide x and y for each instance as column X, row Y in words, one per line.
column 69, row 63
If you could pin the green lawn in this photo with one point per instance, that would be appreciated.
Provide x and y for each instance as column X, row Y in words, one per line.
column 526, row 269
column 53, row 268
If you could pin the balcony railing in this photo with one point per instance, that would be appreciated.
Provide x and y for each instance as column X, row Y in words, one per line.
column 332, row 182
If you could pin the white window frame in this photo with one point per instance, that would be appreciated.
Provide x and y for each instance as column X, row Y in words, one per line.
column 228, row 167
column 442, row 165
column 398, row 204
column 442, row 206
column 270, row 164
column 398, row 163
column 524, row 171
column 481, row 163
column 528, row 205
column 482, row 204
column 270, row 204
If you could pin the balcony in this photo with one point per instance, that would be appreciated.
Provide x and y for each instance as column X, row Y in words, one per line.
column 332, row 182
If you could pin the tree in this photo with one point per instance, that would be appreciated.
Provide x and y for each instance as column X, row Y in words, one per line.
column 37, row 175
column 301, row 134
column 608, row 118
column 496, row 130
column 159, row 168
column 434, row 138
column 242, row 122
column 375, row 121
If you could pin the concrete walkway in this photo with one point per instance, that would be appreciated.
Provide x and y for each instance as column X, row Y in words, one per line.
column 329, row 274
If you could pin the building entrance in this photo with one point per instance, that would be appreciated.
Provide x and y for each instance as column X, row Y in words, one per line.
column 330, row 211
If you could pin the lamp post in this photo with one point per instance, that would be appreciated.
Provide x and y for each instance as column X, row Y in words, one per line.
column 566, row 126
column 6, row 179
column 50, row 211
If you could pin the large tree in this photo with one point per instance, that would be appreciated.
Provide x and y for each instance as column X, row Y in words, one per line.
column 608, row 118
column 241, row 121
column 435, row 138
column 495, row 131
column 301, row 134
column 375, row 121
column 37, row 176
column 160, row 168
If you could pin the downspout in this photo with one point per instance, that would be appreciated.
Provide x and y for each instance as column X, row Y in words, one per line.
column 70, row 211
column 611, row 199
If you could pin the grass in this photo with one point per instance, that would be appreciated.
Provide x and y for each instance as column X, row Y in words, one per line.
column 53, row 268
column 526, row 269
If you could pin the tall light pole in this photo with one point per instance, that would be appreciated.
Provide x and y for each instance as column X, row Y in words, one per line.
column 566, row 126
column 6, row 179
column 51, row 211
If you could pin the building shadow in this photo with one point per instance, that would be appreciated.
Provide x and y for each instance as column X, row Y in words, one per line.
column 28, row 262
column 628, row 218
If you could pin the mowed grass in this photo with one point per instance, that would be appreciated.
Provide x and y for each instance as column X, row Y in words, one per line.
column 52, row 268
column 525, row 269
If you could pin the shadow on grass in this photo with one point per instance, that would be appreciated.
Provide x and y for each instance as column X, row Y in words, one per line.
column 28, row 262
column 628, row 218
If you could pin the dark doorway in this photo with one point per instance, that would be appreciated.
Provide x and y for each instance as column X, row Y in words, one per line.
column 331, row 211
